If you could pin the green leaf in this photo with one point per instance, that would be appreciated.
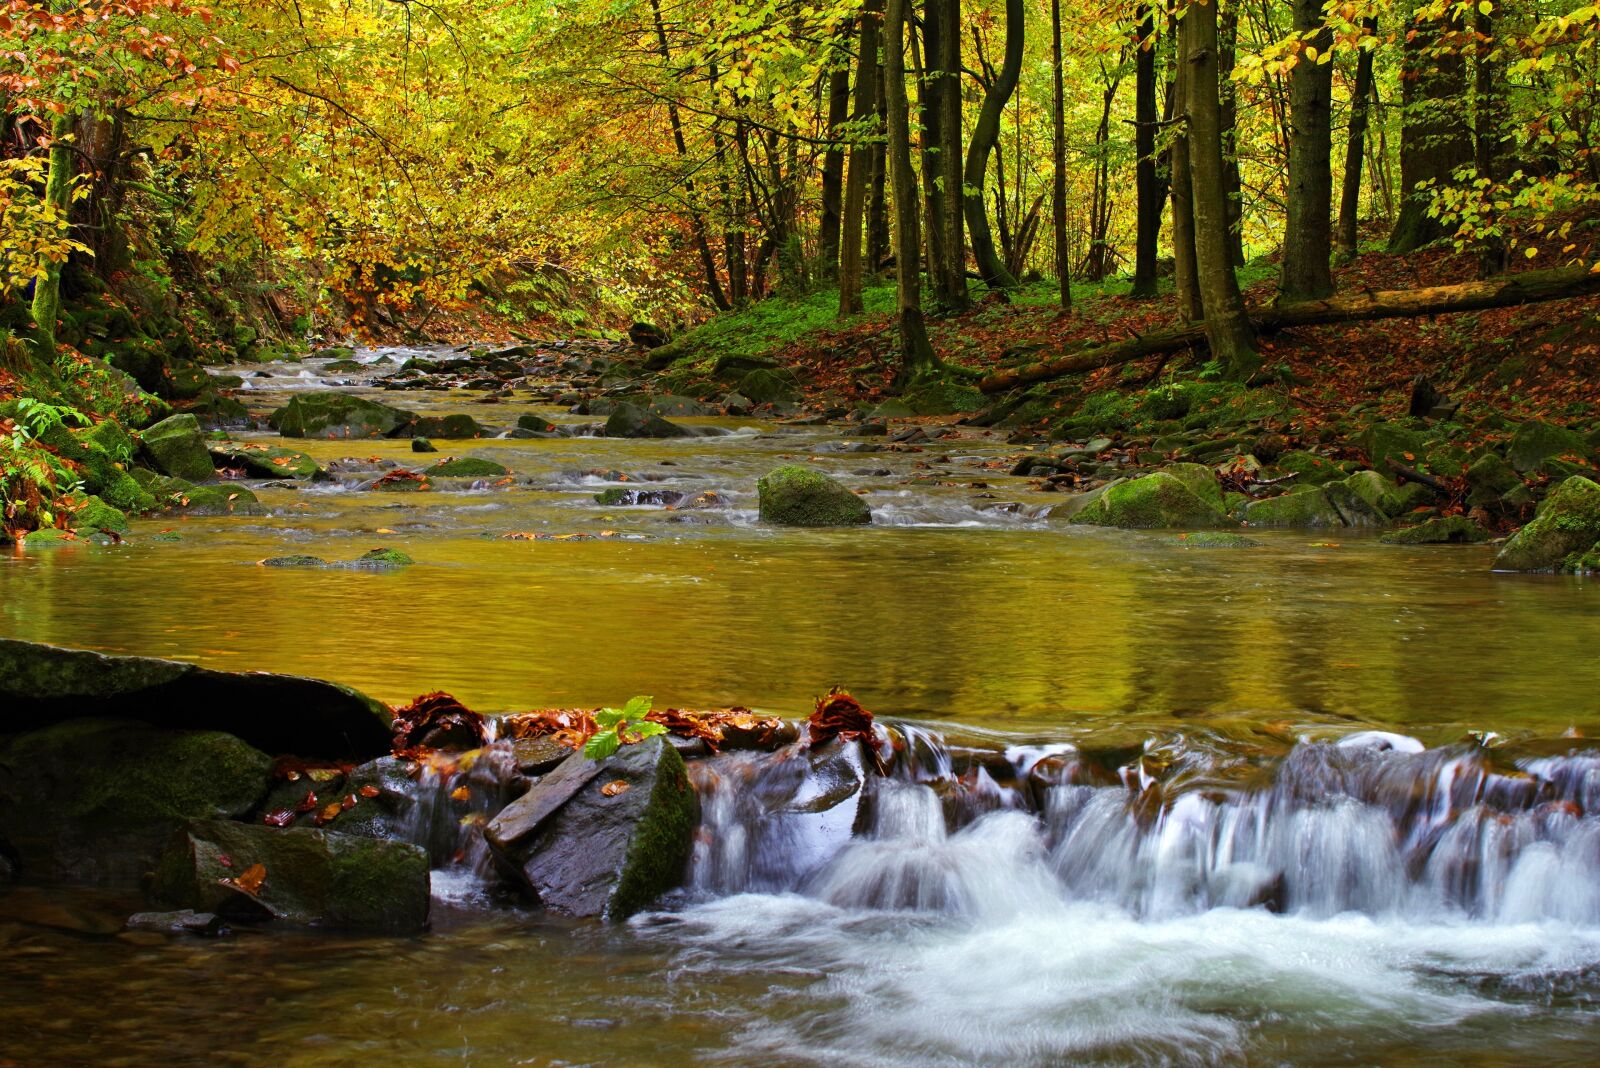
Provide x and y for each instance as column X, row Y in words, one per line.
column 609, row 717
column 637, row 707
column 601, row 745
column 648, row 730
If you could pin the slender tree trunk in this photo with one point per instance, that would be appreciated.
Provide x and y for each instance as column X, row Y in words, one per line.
column 1435, row 137
column 930, row 87
column 1488, row 122
column 984, row 136
column 1307, row 236
column 953, row 205
column 858, row 179
column 1058, row 144
column 1232, row 183
column 46, row 307
column 878, row 205
column 1185, row 271
column 1147, row 183
column 1355, row 148
column 916, row 354
column 829, row 225
column 1227, row 324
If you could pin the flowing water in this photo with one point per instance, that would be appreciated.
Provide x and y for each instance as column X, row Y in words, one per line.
column 1317, row 802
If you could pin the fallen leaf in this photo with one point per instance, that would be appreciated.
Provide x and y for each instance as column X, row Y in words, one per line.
column 614, row 787
column 369, row 790
column 281, row 817
column 460, row 793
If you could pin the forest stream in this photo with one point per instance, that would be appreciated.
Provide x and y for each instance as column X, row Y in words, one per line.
column 1312, row 717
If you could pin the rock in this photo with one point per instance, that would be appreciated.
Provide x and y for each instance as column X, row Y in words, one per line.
column 631, row 421
column 103, row 452
column 48, row 538
column 647, row 336
column 1215, row 539
column 1152, row 501
column 737, row 404
column 1450, row 530
column 1490, row 478
column 943, row 397
column 449, row 427
column 894, row 408
column 1311, row 469
column 668, row 405
column 214, row 501
column 93, row 799
column 339, row 415
column 382, row 558
column 1535, row 442
column 796, row 496
column 1306, row 506
column 618, row 497
column 1201, row 480
column 178, row 448
column 737, row 365
column 767, row 385
column 294, row 561
column 1367, row 499
column 183, row 921
column 602, row 838
column 266, row 461
column 467, row 467
column 1383, row 442
column 41, row 684
column 422, row 445
column 312, row 877
column 385, row 800
column 1567, row 526
column 95, row 514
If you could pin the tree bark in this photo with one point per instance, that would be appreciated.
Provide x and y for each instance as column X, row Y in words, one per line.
column 1185, row 271
column 46, row 308
column 1228, row 325
column 984, row 136
column 1355, row 148
column 1228, row 97
column 1147, row 184
column 1058, row 145
column 950, row 163
column 1435, row 137
column 832, row 220
column 1528, row 287
column 916, row 354
column 929, row 89
column 858, row 179
column 1307, row 235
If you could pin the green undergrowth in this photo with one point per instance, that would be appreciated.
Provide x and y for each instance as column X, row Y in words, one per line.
column 767, row 326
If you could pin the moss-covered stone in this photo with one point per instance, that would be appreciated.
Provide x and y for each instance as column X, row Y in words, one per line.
column 423, row 445
column 1160, row 500
column 178, row 448
column 457, row 427
column 211, row 501
column 467, row 467
column 312, row 877
column 333, row 415
column 1447, row 530
column 1215, row 539
column 1568, row 523
column 1536, row 442
column 1305, row 506
column 93, row 799
column 1366, row 498
column 266, row 461
column 769, row 386
column 102, row 453
column 1489, row 478
column 47, row 538
column 1201, row 480
column 295, row 560
column 944, row 397
column 632, row 421
column 382, row 558
column 1390, row 441
column 95, row 514
column 796, row 496
column 1311, row 469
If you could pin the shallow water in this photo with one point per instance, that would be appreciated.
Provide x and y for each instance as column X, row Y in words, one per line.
column 1019, row 628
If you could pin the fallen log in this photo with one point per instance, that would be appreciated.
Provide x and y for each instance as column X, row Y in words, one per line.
column 1527, row 287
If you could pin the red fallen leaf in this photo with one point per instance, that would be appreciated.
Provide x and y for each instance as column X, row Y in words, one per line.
column 329, row 813
column 308, row 802
column 281, row 817
column 349, row 802
column 838, row 715
column 249, row 881
column 437, row 721
column 460, row 793
column 370, row 790
column 614, row 787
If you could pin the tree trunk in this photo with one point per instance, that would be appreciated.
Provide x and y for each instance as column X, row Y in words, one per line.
column 1058, row 145
column 1529, row 287
column 1355, row 149
column 858, row 179
column 984, row 136
column 1185, row 271
column 1228, row 326
column 916, row 354
column 1307, row 235
column 1228, row 97
column 46, row 307
column 1147, row 183
column 1435, row 138
column 1489, row 118
column 878, row 205
column 948, row 63
column 929, row 89
column 831, row 222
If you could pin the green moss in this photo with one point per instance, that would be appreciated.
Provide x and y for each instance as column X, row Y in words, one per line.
column 1449, row 530
column 944, row 397
column 338, row 415
column 1153, row 501
column 467, row 467
column 179, row 449
column 801, row 497
column 1215, row 539
column 299, row 560
column 1568, row 523
column 384, row 558
column 1200, row 479
column 662, row 840
column 1535, row 442
column 96, row 514
column 1307, row 506
column 613, row 497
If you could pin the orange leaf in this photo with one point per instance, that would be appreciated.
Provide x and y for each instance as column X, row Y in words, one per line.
column 614, row 787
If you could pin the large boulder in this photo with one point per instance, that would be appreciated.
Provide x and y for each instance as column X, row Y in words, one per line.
column 1535, row 442
column 1153, row 501
column 450, row 427
column 259, row 460
column 467, row 467
column 766, row 385
column 308, row 877
column 1384, row 442
column 41, row 684
column 632, row 421
column 1567, row 527
column 1489, row 478
column 1366, row 498
column 103, row 453
column 340, row 415
column 1448, row 530
column 602, row 838
column 94, row 799
column 178, row 448
column 1307, row 506
column 795, row 496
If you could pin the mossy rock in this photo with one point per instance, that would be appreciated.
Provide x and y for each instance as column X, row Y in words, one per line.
column 214, row 501
column 423, row 445
column 93, row 799
column 95, row 514
column 1536, row 442
column 178, row 448
column 1383, row 442
column 48, row 538
column 632, row 421
column 1201, row 480
column 295, row 560
column 769, row 386
column 1155, row 501
column 1366, row 498
column 458, row 427
column 1490, row 478
column 384, row 807
column 185, row 381
column 795, row 496
column 102, row 452
column 330, row 415
column 1447, row 530
column 467, row 467
column 943, row 397
column 312, row 877
column 893, row 408
column 266, row 461
column 383, row 558
column 1306, row 506
column 1311, row 469
column 1215, row 539
column 219, row 410
column 1568, row 524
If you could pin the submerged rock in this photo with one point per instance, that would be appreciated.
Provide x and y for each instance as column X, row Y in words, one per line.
column 381, row 558
column 339, row 415
column 1215, row 539
column 1450, row 530
column 632, row 421
column 422, row 445
column 1567, row 527
column 602, row 838
column 300, row 876
column 41, row 684
column 1153, row 501
column 178, row 447
column 467, row 467
column 93, row 799
column 798, row 496
column 449, row 427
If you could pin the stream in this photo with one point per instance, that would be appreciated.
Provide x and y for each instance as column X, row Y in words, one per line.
column 1119, row 749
